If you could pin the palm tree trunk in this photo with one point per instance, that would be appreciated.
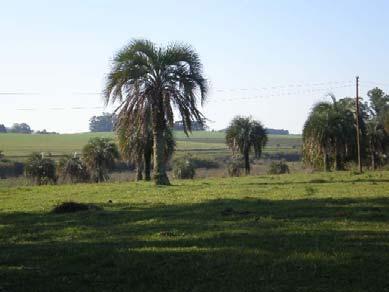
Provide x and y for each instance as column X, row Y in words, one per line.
column 325, row 159
column 372, row 160
column 147, row 159
column 159, row 127
column 338, row 160
column 246, row 162
column 139, row 167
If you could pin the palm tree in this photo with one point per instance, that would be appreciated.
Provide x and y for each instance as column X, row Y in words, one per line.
column 329, row 132
column 73, row 167
column 150, row 80
column 99, row 156
column 243, row 135
column 316, row 139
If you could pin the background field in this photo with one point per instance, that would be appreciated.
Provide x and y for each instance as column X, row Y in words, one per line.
column 317, row 232
column 18, row 146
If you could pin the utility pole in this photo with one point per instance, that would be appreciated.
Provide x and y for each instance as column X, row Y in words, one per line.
column 357, row 123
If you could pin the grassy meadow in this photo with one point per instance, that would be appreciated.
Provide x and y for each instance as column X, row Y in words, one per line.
column 18, row 146
column 297, row 232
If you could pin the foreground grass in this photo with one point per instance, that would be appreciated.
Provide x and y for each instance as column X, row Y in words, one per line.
column 272, row 233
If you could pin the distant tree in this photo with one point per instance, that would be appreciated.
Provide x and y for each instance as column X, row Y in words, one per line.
column 196, row 126
column 243, row 135
column 45, row 132
column 3, row 129
column 378, row 101
column 147, row 78
column 73, row 168
column 103, row 123
column 22, row 128
column 277, row 131
column 41, row 169
column 99, row 156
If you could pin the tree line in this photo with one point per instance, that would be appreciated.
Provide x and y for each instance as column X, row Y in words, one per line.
column 329, row 134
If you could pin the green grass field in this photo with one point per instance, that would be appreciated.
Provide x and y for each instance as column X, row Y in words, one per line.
column 300, row 232
column 18, row 146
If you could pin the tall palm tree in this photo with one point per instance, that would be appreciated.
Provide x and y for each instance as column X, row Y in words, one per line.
column 148, row 79
column 99, row 156
column 244, row 135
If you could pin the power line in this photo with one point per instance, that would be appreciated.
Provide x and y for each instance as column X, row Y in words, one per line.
column 263, row 96
column 288, row 86
column 279, row 94
column 265, row 88
column 284, row 90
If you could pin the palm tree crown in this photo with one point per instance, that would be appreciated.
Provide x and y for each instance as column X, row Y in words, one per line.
column 99, row 156
column 243, row 135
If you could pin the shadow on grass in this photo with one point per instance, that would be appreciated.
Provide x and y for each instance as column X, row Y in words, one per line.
column 320, row 181
column 219, row 245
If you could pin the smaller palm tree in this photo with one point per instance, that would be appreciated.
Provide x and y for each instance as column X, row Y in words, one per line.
column 41, row 169
column 244, row 135
column 99, row 156
column 73, row 168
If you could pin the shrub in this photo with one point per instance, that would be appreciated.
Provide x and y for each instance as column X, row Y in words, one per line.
column 41, row 169
column 234, row 167
column 279, row 167
column 184, row 169
column 204, row 163
column 74, row 169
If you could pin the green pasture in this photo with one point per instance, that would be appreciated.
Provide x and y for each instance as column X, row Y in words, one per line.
column 298, row 232
column 20, row 145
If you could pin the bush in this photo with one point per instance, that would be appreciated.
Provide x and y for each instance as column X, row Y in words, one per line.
column 204, row 163
column 40, row 169
column 282, row 156
column 279, row 167
column 234, row 167
column 184, row 168
column 74, row 169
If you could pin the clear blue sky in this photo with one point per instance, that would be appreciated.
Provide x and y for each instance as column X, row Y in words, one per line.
column 60, row 49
